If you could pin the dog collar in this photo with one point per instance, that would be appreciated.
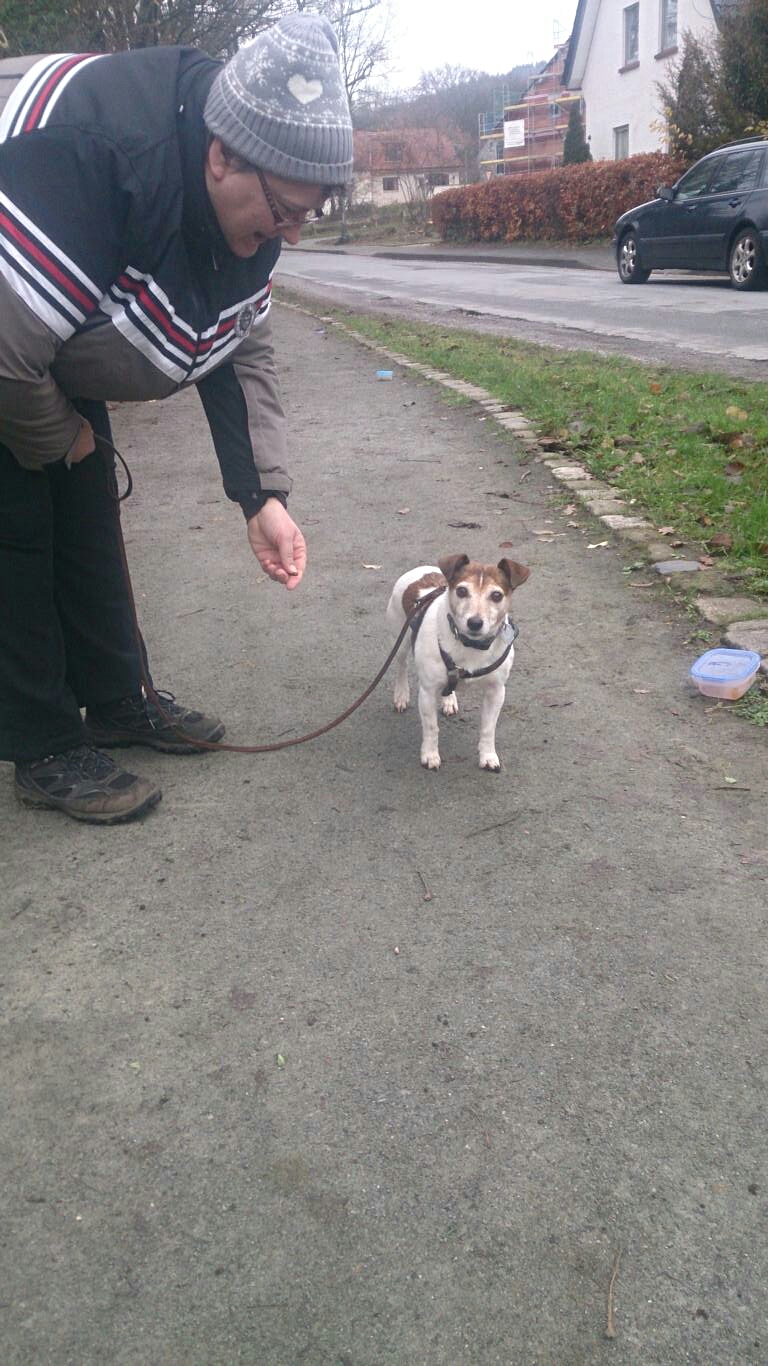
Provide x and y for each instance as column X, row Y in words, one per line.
column 509, row 632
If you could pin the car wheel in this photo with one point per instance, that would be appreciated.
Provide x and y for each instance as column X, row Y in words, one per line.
column 628, row 262
column 746, row 263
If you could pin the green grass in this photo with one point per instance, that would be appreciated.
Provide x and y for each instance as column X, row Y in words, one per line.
column 753, row 706
column 691, row 449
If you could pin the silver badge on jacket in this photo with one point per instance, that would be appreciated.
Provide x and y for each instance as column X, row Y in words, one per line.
column 244, row 320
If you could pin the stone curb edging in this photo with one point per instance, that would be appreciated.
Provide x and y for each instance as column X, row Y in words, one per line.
column 743, row 623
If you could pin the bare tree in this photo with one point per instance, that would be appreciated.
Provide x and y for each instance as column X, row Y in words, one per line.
column 217, row 26
column 362, row 28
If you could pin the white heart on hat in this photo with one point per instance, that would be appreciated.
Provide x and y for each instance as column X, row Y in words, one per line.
column 303, row 90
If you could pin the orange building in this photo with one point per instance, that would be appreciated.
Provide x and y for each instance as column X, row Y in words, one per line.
column 531, row 134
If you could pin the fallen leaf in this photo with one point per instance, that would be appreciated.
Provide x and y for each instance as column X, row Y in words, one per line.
column 654, row 387
column 722, row 540
column 637, row 459
column 596, row 545
column 280, row 1060
column 403, row 512
column 706, row 561
column 468, row 526
column 666, row 531
column 733, row 411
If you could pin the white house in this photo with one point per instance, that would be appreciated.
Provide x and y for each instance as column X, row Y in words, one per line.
column 618, row 53
column 404, row 165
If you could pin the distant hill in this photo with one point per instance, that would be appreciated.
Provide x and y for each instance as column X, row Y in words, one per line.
column 452, row 96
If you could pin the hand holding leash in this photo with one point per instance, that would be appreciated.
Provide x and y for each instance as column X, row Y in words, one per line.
column 83, row 445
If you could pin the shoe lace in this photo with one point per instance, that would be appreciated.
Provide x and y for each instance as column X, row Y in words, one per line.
column 169, row 706
column 91, row 763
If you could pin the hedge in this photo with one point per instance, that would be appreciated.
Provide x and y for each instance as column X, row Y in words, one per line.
column 571, row 204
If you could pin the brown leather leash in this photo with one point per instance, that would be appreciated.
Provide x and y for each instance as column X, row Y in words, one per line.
column 416, row 613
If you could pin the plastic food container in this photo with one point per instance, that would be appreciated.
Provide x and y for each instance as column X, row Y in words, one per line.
column 725, row 673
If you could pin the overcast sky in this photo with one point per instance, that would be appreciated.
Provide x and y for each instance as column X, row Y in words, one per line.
column 494, row 35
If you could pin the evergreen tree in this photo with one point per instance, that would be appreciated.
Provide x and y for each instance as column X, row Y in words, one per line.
column 576, row 148
column 742, row 88
column 689, row 101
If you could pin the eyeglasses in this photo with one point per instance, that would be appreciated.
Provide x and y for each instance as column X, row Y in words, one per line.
column 282, row 216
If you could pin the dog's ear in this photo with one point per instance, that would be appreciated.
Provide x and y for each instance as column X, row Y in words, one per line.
column 451, row 565
column 513, row 572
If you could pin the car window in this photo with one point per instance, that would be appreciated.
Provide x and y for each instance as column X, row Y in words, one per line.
column 738, row 171
column 695, row 181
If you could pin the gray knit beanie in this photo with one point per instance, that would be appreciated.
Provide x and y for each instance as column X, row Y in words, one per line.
column 280, row 103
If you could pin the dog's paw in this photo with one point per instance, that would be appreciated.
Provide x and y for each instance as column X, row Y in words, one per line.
column 490, row 761
column 401, row 701
column 450, row 705
column 430, row 758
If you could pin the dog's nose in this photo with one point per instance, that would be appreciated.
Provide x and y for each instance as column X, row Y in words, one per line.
column 475, row 623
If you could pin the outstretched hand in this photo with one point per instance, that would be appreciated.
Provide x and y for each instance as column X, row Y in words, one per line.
column 278, row 544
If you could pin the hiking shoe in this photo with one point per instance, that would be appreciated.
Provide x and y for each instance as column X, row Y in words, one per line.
column 138, row 721
column 85, row 785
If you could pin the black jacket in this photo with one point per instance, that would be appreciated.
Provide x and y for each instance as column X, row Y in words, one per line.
column 115, row 280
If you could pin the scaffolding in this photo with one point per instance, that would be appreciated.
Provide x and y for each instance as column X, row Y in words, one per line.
column 541, row 114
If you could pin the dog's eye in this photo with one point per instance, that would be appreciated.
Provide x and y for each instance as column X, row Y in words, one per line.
column 462, row 592
column 497, row 596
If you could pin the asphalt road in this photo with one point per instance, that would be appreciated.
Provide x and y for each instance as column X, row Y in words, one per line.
column 332, row 1060
column 677, row 319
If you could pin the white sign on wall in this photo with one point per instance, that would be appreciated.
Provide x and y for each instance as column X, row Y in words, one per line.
column 514, row 133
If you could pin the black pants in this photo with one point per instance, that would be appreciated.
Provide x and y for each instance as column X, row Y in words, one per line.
column 66, row 633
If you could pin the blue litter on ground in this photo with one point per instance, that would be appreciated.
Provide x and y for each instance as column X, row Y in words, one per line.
column 725, row 673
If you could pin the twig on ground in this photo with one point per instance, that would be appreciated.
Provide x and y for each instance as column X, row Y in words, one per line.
column 427, row 894
column 486, row 828
column 610, row 1327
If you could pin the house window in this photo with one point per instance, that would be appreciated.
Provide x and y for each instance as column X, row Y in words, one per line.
column 668, row 24
column 390, row 182
column 621, row 142
column 393, row 151
column 438, row 178
column 631, row 34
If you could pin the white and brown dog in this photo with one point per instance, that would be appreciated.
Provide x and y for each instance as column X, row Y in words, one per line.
column 464, row 635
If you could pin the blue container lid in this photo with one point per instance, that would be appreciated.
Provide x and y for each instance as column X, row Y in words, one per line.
column 725, row 666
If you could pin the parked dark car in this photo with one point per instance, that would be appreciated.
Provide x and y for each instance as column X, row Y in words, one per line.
column 715, row 218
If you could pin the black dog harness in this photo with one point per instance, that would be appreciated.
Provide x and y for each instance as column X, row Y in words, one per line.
column 508, row 631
